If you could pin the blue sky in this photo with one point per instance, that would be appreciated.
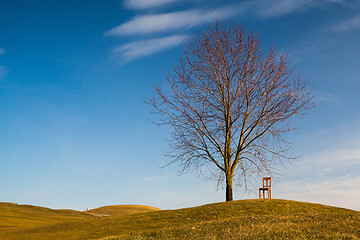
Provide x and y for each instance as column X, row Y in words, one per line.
column 74, row 129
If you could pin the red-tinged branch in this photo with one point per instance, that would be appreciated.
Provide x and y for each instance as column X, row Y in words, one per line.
column 229, row 104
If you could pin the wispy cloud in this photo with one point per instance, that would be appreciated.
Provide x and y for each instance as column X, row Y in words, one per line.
column 338, row 191
column 278, row 8
column 337, row 161
column 168, row 21
column 142, row 25
column 327, row 177
column 327, row 97
column 156, row 178
column 3, row 71
column 146, row 4
column 141, row 48
column 347, row 25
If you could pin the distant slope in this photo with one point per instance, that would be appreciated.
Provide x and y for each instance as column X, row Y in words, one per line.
column 27, row 216
column 121, row 210
column 245, row 219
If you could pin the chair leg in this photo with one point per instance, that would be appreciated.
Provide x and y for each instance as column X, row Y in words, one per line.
column 261, row 194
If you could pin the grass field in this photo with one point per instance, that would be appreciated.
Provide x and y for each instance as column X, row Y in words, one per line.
column 245, row 219
column 121, row 210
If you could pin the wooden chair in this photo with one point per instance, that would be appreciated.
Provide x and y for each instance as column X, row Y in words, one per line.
column 266, row 188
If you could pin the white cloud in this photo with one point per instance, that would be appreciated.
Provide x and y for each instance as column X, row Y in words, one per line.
column 3, row 71
column 277, row 8
column 338, row 191
column 156, row 178
column 169, row 21
column 330, row 177
column 145, row 4
column 141, row 48
column 328, row 97
column 351, row 24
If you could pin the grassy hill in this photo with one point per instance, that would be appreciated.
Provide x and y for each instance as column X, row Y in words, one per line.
column 245, row 219
column 14, row 216
column 121, row 210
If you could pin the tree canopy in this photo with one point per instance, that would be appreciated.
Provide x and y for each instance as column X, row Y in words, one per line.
column 229, row 103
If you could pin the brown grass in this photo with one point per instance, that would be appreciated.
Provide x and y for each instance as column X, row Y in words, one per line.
column 121, row 210
column 246, row 219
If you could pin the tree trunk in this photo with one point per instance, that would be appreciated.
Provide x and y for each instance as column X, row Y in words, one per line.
column 229, row 193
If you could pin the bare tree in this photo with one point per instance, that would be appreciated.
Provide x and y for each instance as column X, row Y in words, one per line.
column 229, row 103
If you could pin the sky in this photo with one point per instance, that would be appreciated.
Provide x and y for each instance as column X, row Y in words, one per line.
column 74, row 129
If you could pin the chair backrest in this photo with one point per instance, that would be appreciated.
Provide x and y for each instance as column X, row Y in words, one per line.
column 267, row 182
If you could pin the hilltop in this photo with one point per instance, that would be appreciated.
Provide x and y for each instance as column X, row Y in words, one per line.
column 244, row 219
column 121, row 210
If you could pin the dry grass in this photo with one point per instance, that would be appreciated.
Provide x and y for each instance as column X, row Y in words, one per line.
column 246, row 219
column 14, row 216
column 121, row 210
